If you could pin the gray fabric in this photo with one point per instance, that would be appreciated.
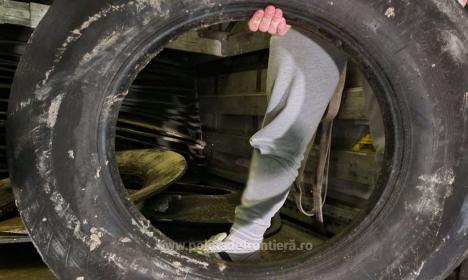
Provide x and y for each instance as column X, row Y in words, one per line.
column 302, row 78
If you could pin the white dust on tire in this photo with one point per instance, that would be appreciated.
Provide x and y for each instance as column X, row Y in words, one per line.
column 390, row 12
column 54, row 110
column 434, row 189
column 454, row 46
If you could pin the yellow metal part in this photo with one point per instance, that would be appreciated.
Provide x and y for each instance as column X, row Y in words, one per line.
column 364, row 144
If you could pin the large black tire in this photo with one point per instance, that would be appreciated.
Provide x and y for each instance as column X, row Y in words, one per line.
column 83, row 57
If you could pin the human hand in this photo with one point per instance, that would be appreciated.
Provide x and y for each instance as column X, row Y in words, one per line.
column 270, row 20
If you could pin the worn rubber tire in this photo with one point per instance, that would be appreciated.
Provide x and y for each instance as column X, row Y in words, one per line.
column 83, row 57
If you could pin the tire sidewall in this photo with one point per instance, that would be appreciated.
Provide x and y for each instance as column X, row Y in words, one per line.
column 416, row 230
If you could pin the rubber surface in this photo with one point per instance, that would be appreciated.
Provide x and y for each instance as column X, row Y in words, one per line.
column 83, row 57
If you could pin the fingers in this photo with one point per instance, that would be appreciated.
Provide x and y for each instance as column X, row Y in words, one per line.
column 255, row 21
column 277, row 19
column 266, row 21
column 283, row 28
column 270, row 20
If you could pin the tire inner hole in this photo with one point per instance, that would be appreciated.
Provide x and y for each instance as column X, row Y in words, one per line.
column 203, row 102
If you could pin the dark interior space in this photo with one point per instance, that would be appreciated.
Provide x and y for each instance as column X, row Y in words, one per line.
column 206, row 108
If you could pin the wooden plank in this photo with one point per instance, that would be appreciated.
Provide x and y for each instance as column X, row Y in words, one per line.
column 252, row 104
column 354, row 77
column 246, row 62
column 192, row 42
column 343, row 171
column 7, row 200
column 207, row 85
column 232, row 167
column 345, row 165
column 263, row 80
column 234, row 83
column 231, row 124
column 12, row 226
column 337, row 198
column 228, row 174
column 38, row 11
column 236, row 169
column 362, row 191
column 234, row 145
column 346, row 199
column 222, row 46
column 353, row 166
column 20, row 13
column 12, row 12
column 353, row 106
column 335, row 227
column 245, row 42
